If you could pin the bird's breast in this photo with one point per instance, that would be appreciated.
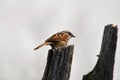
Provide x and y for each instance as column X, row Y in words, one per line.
column 61, row 44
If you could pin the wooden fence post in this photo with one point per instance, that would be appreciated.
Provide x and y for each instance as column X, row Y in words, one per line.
column 58, row 65
column 105, row 64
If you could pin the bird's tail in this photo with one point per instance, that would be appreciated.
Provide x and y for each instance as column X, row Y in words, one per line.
column 45, row 43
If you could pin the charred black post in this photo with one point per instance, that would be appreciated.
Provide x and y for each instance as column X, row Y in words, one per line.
column 58, row 65
column 106, row 59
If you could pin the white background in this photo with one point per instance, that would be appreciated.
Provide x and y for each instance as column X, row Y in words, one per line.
column 24, row 24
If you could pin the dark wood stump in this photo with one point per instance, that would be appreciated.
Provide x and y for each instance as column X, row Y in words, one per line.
column 59, row 64
column 105, row 64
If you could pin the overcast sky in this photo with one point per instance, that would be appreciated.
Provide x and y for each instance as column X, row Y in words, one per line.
column 24, row 24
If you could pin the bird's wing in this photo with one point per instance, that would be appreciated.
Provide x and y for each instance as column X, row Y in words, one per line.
column 54, row 38
column 58, row 37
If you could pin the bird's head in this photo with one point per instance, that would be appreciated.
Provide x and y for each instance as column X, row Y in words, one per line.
column 70, row 34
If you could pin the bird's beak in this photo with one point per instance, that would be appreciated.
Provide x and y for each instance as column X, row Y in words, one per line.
column 73, row 36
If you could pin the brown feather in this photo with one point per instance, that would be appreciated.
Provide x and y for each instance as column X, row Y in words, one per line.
column 45, row 43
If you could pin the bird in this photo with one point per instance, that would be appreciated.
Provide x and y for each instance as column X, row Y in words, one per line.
column 58, row 40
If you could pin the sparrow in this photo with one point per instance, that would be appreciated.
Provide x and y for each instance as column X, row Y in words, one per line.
column 58, row 40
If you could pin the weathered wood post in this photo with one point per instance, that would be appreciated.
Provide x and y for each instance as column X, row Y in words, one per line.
column 105, row 64
column 58, row 65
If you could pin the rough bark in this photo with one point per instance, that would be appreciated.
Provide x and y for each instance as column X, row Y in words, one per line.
column 59, row 64
column 105, row 64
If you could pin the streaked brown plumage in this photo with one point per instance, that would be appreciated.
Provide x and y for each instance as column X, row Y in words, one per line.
column 57, row 40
